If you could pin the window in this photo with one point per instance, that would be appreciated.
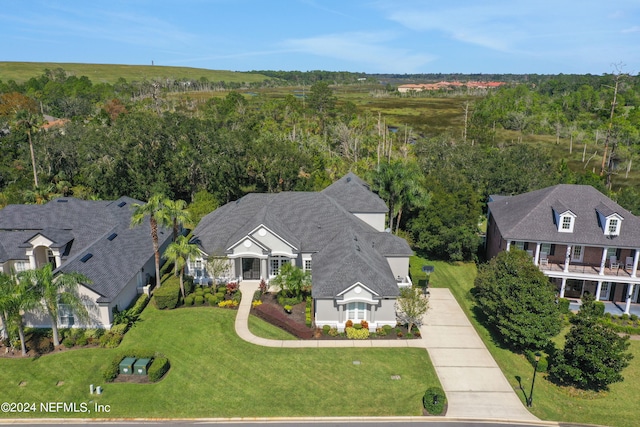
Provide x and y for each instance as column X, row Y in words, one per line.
column 198, row 268
column 613, row 226
column 546, row 248
column 307, row 265
column 51, row 258
column 356, row 311
column 66, row 315
column 276, row 262
column 20, row 266
column 519, row 245
column 566, row 222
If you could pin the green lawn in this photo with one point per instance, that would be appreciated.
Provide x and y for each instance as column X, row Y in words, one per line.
column 614, row 408
column 215, row 374
column 110, row 73
column 262, row 329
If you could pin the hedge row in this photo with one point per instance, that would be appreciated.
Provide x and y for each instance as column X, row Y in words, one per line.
column 158, row 368
column 278, row 318
column 168, row 295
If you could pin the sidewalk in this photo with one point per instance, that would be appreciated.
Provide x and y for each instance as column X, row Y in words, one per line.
column 474, row 385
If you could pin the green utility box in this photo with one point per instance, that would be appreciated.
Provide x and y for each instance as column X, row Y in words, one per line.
column 141, row 366
column 126, row 365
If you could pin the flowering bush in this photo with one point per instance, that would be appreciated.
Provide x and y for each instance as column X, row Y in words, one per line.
column 232, row 287
column 364, row 324
column 228, row 304
column 357, row 334
column 256, row 303
column 349, row 324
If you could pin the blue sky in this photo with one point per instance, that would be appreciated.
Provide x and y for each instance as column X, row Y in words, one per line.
column 372, row 36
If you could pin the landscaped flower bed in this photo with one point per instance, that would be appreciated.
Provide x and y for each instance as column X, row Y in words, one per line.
column 295, row 323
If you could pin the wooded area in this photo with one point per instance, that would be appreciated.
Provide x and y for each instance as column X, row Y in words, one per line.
column 212, row 143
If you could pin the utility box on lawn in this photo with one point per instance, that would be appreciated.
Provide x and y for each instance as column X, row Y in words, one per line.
column 141, row 366
column 126, row 365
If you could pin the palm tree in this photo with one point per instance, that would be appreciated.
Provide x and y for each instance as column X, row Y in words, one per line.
column 29, row 121
column 61, row 289
column 21, row 296
column 5, row 288
column 178, row 213
column 157, row 212
column 179, row 252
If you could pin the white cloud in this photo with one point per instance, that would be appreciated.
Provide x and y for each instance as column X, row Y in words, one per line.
column 362, row 48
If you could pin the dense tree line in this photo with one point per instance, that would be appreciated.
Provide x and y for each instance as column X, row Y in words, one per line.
column 216, row 151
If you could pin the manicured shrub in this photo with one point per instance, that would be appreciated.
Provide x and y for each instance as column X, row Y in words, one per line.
column 188, row 300
column 120, row 329
column 139, row 305
column 228, row 304
column 357, row 334
column 333, row 332
column 326, row 329
column 237, row 296
column 364, row 324
column 349, row 324
column 222, row 289
column 110, row 340
column 94, row 334
column 69, row 342
column 220, row 295
column 158, row 368
column 434, row 400
column 199, row 292
column 543, row 363
column 82, row 341
column 232, row 287
column 381, row 332
column 77, row 332
column 387, row 328
column 206, row 290
column 167, row 296
column 198, row 300
column 282, row 300
column 563, row 305
column 357, row 326
column 210, row 299
column 256, row 295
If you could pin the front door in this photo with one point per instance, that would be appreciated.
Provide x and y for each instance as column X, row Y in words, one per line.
column 605, row 289
column 577, row 254
column 251, row 268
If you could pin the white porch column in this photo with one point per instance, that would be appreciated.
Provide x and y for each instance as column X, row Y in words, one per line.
column 564, row 283
column 598, row 290
column 58, row 259
column 627, row 304
column 536, row 256
column 264, row 272
column 567, row 259
column 292, row 261
column 603, row 261
column 32, row 259
column 635, row 263
column 508, row 245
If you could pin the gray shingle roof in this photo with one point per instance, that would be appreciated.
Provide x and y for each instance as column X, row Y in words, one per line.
column 86, row 224
column 529, row 217
column 313, row 222
column 355, row 195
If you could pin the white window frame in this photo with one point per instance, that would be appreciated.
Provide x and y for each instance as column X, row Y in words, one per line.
column 357, row 311
column 615, row 230
column 577, row 253
column 275, row 264
column 20, row 266
column 65, row 315
column 307, row 265
column 519, row 245
column 566, row 224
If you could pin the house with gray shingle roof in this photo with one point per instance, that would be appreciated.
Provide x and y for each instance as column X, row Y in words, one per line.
column 582, row 240
column 338, row 234
column 93, row 238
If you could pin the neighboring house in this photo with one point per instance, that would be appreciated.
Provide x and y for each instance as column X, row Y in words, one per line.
column 93, row 238
column 337, row 234
column 581, row 239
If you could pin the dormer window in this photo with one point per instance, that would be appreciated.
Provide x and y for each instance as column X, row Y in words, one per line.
column 566, row 222
column 612, row 227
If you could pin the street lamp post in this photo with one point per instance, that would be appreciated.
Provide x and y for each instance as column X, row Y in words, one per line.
column 533, row 381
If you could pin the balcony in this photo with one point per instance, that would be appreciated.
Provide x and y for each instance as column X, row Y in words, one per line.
column 589, row 272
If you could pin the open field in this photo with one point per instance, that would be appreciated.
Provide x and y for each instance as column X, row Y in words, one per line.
column 216, row 374
column 110, row 73
column 615, row 408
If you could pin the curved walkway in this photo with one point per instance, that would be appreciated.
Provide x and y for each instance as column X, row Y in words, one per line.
column 475, row 386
